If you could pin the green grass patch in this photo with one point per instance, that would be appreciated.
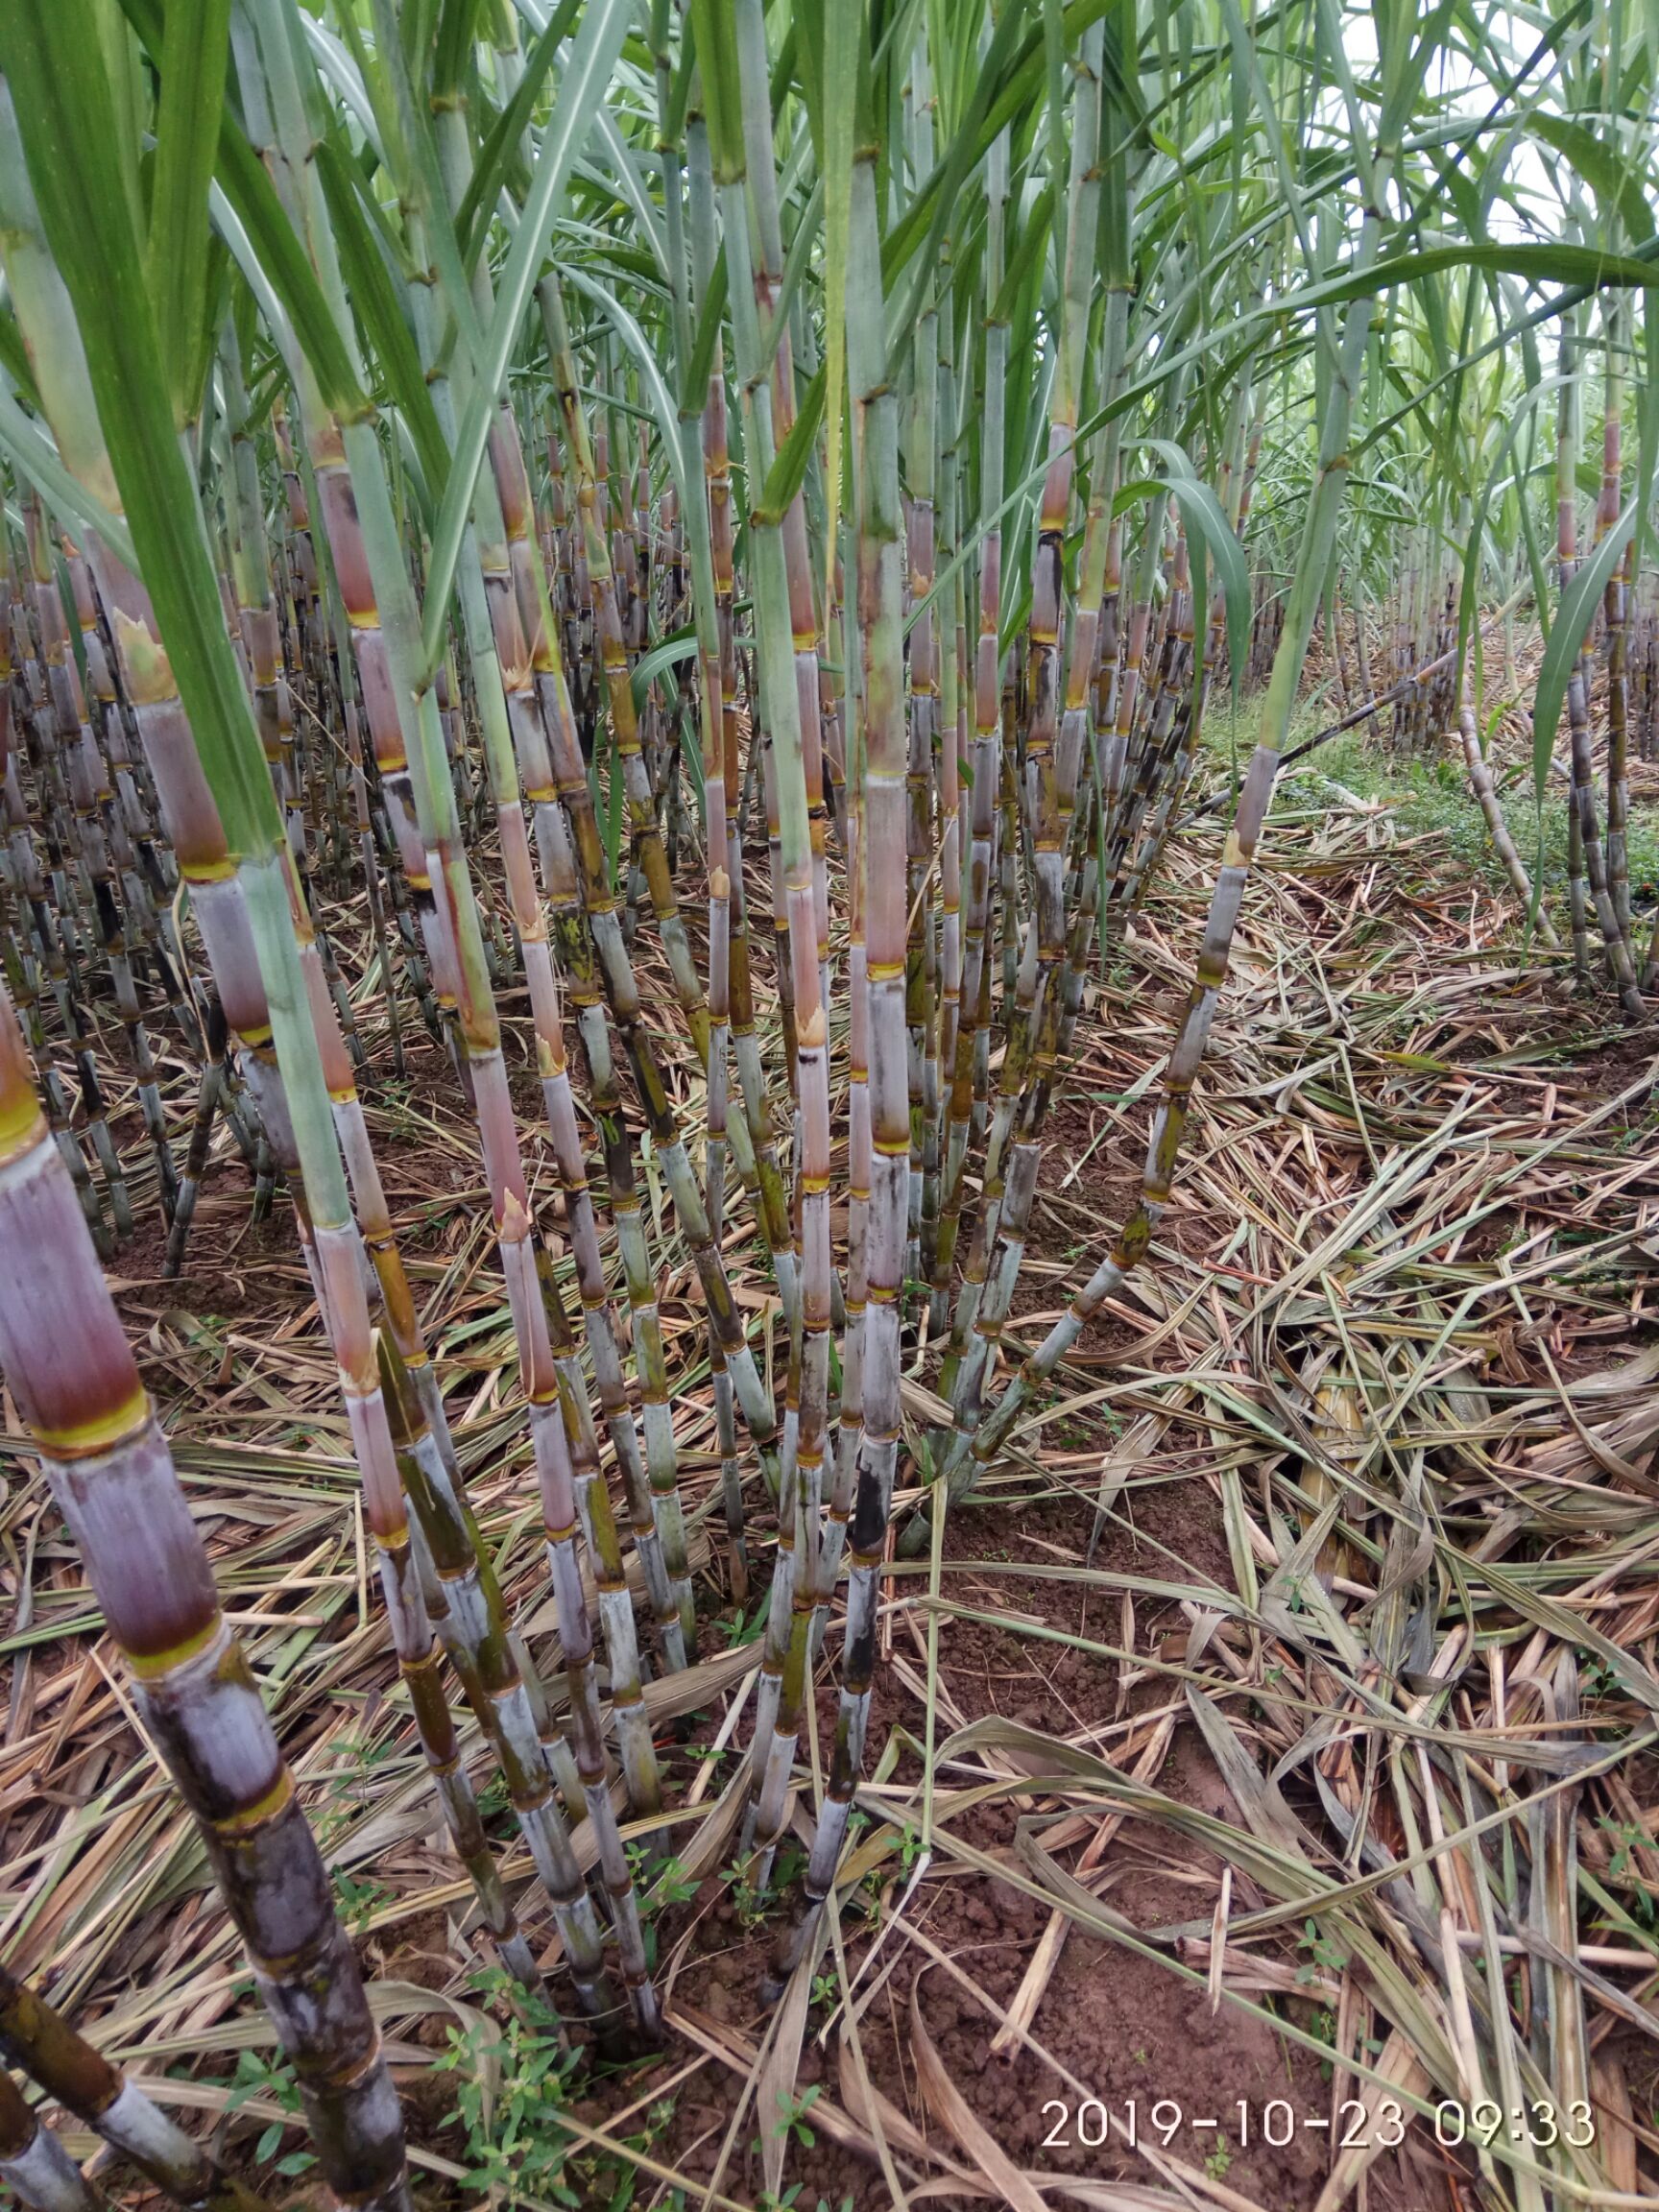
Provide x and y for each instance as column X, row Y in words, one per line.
column 1431, row 796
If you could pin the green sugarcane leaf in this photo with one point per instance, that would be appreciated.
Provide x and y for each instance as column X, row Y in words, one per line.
column 14, row 359
column 679, row 98
column 615, row 796
column 694, row 384
column 413, row 156
column 198, row 368
column 71, row 619
column 54, row 65
column 36, row 462
column 1247, row 68
column 1617, row 186
column 456, row 31
column 380, row 312
column 1557, row 263
column 1201, row 513
column 638, row 270
column 690, row 755
column 844, row 26
column 680, row 645
column 1003, row 90
column 789, row 464
column 500, row 147
column 255, row 284
column 796, row 268
column 651, row 379
column 809, row 49
column 359, row 84
column 1199, row 558
column 281, row 255
column 195, row 52
column 1027, row 259
column 1055, row 71
column 1519, row 420
column 1202, row 510
column 722, row 100
column 632, row 190
column 1566, row 634
column 580, row 91
column 1646, row 426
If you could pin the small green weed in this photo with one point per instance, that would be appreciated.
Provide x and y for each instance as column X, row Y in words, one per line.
column 513, row 2076
column 359, row 1900
column 259, row 2075
column 1322, row 1954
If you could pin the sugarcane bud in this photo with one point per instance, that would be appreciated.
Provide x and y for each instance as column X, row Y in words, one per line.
column 813, row 1033
column 143, row 661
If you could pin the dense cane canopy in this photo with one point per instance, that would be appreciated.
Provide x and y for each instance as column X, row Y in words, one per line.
column 663, row 585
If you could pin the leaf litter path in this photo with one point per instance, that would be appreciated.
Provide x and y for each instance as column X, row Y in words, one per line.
column 1291, row 1686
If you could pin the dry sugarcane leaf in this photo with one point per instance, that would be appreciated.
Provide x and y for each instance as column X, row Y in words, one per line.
column 902, row 2132
column 946, row 2102
column 707, row 1849
column 1114, row 2196
column 1257, row 1796
column 1023, row 2008
column 736, row 2052
column 774, row 2092
column 1616, row 2135
column 1295, row 1583
column 1293, row 1879
column 1401, row 2068
column 1555, row 1904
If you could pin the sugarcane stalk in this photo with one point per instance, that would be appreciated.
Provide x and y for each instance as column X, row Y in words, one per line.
column 363, row 541
column 1588, row 886
column 1615, row 604
column 73, row 1378
column 34, row 2163
column 621, row 995
column 248, row 907
column 509, row 709
column 41, row 2043
column 786, row 637
column 1050, row 774
column 973, row 1451
column 209, row 1094
column 985, row 773
column 1485, row 792
column 728, row 940
column 881, row 584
